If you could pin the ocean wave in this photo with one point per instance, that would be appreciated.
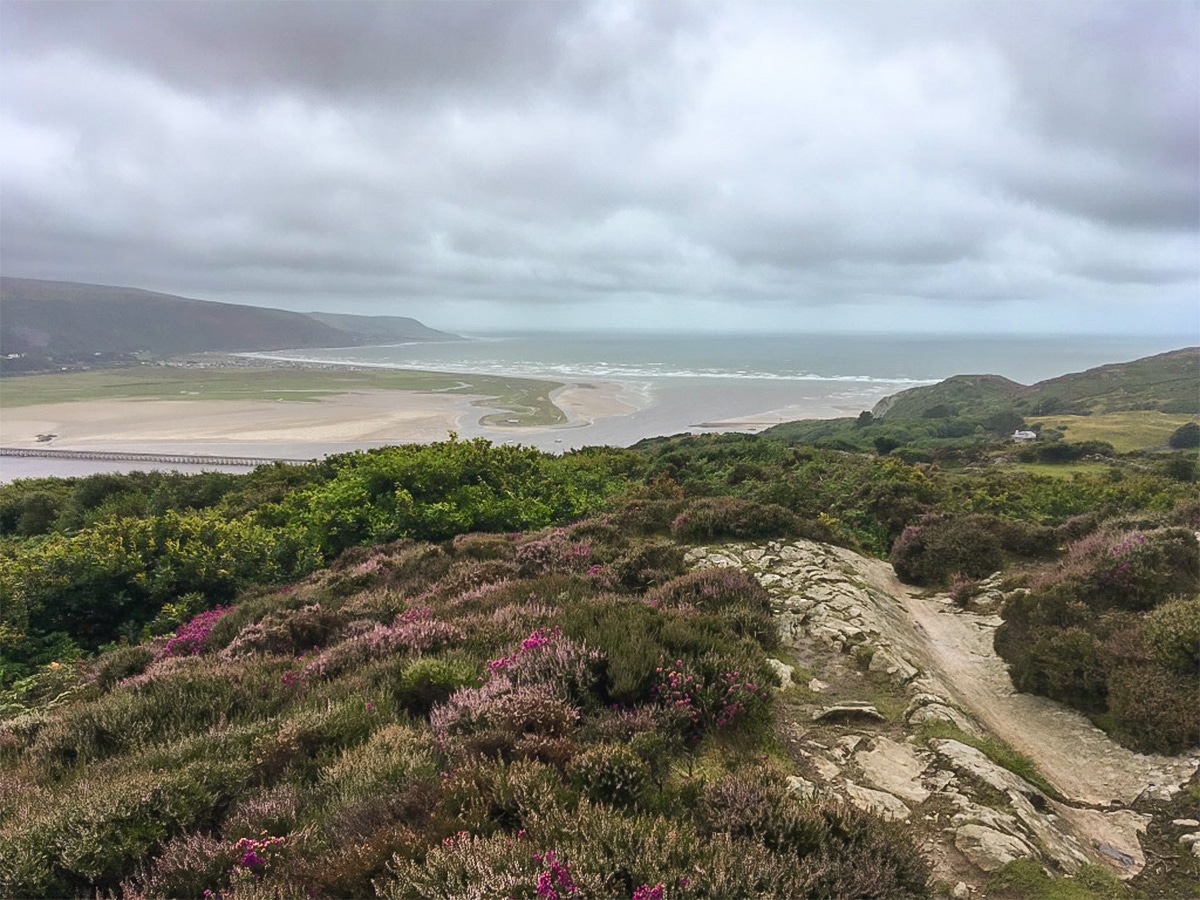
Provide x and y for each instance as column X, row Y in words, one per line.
column 601, row 370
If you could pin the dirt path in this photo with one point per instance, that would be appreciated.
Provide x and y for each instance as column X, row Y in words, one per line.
column 1080, row 760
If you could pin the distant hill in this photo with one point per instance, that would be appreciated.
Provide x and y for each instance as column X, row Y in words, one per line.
column 1168, row 382
column 70, row 320
column 382, row 329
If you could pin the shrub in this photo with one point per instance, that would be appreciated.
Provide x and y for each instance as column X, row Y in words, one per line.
column 286, row 631
column 731, row 517
column 1172, row 632
column 546, row 657
column 554, row 551
column 612, row 774
column 424, row 683
column 1153, row 710
column 189, row 639
column 483, row 546
column 935, row 548
column 388, row 758
column 646, row 563
column 712, row 590
column 499, row 713
column 1185, row 437
column 188, row 865
column 120, row 663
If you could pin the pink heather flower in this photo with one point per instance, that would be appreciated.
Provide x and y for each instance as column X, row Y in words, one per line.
column 645, row 892
column 556, row 878
column 189, row 638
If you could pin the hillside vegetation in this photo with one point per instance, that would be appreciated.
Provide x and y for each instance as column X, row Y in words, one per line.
column 58, row 323
column 956, row 418
column 465, row 669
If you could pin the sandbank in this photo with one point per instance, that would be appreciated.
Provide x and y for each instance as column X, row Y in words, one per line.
column 301, row 429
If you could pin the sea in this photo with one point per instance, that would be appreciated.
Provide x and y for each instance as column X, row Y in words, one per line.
column 745, row 382
column 705, row 383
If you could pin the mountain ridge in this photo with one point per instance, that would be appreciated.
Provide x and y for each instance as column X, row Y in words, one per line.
column 69, row 319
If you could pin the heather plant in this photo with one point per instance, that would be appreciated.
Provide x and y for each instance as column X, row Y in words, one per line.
column 388, row 758
column 274, row 809
column 646, row 562
column 547, row 657
column 936, row 547
column 491, row 718
column 120, row 663
column 188, row 865
column 712, row 518
column 1173, row 635
column 611, row 773
column 307, row 738
column 555, row 551
column 189, row 639
column 482, row 546
column 424, row 683
column 711, row 590
column 1101, row 633
column 626, row 634
column 1154, row 710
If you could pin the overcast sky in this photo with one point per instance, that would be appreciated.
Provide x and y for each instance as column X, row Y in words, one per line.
column 999, row 166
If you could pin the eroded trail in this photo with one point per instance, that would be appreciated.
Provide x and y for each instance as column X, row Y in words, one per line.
column 836, row 610
column 1080, row 760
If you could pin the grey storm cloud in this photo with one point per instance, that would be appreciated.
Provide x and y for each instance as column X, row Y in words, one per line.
column 774, row 165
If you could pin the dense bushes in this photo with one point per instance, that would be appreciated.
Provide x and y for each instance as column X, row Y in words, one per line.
column 1114, row 631
column 424, row 721
column 119, row 549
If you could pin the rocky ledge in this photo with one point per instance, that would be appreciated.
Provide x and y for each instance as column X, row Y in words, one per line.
column 878, row 720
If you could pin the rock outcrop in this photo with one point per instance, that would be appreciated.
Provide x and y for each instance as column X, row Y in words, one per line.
column 900, row 686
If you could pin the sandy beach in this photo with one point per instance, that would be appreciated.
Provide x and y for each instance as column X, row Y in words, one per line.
column 597, row 412
column 284, row 429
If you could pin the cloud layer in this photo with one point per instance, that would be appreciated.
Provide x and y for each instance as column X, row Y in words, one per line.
column 995, row 166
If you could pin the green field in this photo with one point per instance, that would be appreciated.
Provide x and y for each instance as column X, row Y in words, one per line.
column 1126, row 431
column 523, row 401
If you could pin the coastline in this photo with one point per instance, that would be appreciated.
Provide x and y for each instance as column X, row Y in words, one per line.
column 339, row 418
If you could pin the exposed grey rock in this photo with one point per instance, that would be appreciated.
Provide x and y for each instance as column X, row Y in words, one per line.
column 848, row 712
column 989, row 849
column 887, row 805
column 1061, row 847
column 801, row 787
column 889, row 662
column 1186, row 823
column 960, row 891
column 1190, row 839
column 816, row 685
column 895, row 768
column 937, row 712
column 970, row 761
column 782, row 671
column 1119, row 856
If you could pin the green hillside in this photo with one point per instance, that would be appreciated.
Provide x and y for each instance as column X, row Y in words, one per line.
column 470, row 670
column 59, row 320
column 382, row 329
column 1168, row 382
column 1132, row 406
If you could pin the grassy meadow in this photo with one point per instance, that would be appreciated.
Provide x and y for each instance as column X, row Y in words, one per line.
column 1128, row 431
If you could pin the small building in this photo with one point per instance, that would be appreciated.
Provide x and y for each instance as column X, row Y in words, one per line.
column 1024, row 435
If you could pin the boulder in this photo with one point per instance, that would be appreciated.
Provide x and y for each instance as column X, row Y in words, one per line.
column 844, row 712
column 895, row 768
column 989, row 849
column 887, row 805
column 801, row 787
column 782, row 671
